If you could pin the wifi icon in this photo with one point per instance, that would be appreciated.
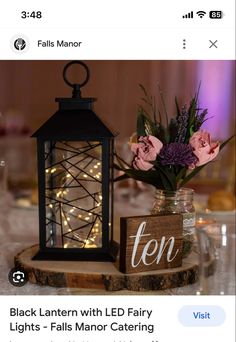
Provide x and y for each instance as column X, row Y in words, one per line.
column 201, row 14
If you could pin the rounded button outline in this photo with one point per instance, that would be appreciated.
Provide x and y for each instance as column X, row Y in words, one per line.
column 187, row 319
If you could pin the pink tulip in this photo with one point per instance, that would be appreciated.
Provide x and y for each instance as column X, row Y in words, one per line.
column 146, row 150
column 140, row 164
column 203, row 148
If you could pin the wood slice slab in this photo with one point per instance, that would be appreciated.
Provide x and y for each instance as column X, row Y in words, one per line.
column 104, row 275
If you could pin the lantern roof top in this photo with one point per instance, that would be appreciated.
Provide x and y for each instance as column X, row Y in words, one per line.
column 74, row 124
column 75, row 118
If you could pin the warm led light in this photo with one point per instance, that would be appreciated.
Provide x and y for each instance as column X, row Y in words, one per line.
column 47, row 170
column 50, row 205
column 53, row 170
column 65, row 223
column 79, row 216
column 87, row 218
column 100, row 197
column 85, row 176
column 89, row 243
column 96, row 225
column 68, row 218
column 59, row 193
column 91, row 170
column 98, row 163
column 68, row 175
column 90, row 214
column 65, row 245
column 95, row 166
column 72, row 210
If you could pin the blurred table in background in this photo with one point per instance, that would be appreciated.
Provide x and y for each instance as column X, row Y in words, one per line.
column 19, row 229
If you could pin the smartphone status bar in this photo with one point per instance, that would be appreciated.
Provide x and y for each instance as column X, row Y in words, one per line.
column 118, row 14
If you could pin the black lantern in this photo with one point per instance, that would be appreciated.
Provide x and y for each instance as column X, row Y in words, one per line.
column 75, row 157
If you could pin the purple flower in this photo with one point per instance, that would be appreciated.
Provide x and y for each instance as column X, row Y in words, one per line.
column 177, row 154
column 200, row 119
column 182, row 121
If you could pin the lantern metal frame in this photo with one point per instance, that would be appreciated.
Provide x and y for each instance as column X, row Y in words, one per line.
column 76, row 121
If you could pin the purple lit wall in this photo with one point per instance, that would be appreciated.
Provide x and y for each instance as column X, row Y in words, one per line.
column 217, row 94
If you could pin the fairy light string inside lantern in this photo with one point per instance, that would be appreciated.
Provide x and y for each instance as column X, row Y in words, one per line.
column 75, row 195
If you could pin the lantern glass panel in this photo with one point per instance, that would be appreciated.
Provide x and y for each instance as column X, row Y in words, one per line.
column 73, row 175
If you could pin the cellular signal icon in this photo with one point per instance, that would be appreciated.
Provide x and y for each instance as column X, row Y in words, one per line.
column 201, row 14
column 188, row 15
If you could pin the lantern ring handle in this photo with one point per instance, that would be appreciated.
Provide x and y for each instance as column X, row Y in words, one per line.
column 79, row 84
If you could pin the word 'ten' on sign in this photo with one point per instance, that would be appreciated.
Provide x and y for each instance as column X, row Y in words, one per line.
column 150, row 242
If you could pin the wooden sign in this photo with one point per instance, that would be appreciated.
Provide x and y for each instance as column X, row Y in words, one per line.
column 150, row 242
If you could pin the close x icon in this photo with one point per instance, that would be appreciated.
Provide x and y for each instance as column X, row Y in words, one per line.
column 213, row 44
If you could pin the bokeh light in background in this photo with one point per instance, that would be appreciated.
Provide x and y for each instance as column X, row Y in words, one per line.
column 217, row 93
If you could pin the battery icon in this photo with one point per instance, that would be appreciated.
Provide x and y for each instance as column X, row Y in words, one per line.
column 216, row 14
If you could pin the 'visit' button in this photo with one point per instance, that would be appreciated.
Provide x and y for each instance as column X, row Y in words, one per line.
column 201, row 315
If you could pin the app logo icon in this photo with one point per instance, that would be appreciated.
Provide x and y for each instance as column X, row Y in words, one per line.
column 20, row 44
column 17, row 277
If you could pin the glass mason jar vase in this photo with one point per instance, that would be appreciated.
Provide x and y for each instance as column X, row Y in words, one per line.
column 178, row 202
